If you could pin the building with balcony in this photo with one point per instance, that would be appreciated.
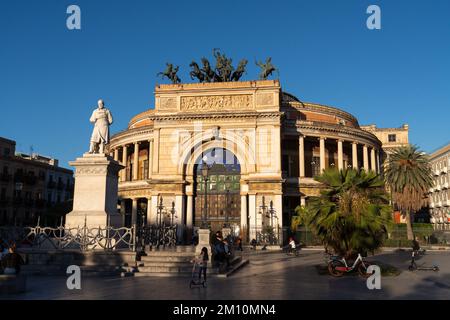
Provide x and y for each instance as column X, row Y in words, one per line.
column 30, row 185
column 439, row 196
column 263, row 147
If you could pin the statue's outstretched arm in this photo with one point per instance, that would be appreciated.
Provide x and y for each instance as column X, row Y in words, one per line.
column 110, row 118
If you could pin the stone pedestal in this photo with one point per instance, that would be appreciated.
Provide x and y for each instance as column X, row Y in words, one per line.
column 96, row 189
column 203, row 241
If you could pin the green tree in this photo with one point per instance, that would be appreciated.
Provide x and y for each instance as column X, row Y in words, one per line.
column 352, row 212
column 408, row 174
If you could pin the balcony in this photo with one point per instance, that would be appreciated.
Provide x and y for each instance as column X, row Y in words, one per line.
column 445, row 185
column 437, row 188
column 431, row 189
column 444, row 170
column 439, row 204
column 432, row 205
column 437, row 172
column 447, row 203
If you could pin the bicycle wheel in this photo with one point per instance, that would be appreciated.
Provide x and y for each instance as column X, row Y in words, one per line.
column 332, row 265
column 362, row 269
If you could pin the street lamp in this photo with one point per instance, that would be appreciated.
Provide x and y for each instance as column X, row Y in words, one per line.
column 160, row 209
column 205, row 172
column 172, row 213
column 262, row 212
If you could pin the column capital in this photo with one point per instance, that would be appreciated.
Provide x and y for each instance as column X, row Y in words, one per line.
column 355, row 142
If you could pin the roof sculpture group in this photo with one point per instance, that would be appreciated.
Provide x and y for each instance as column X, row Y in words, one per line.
column 222, row 72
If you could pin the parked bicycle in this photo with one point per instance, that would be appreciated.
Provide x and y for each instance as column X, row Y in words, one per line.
column 337, row 266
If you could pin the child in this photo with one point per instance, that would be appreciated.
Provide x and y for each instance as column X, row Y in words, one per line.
column 203, row 263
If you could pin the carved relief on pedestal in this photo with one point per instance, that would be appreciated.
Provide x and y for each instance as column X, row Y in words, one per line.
column 264, row 99
column 217, row 103
column 168, row 104
column 91, row 171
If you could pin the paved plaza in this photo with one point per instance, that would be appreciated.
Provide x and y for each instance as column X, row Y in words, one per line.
column 267, row 276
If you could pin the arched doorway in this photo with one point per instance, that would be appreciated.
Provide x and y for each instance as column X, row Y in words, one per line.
column 223, row 189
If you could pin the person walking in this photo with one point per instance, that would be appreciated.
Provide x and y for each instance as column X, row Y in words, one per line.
column 292, row 246
column 12, row 262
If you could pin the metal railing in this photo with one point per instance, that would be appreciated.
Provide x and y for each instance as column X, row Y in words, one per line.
column 157, row 236
column 82, row 238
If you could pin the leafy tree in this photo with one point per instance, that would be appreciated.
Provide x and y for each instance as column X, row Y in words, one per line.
column 352, row 212
column 408, row 174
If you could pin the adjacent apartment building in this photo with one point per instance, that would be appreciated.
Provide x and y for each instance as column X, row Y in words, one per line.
column 440, row 193
column 30, row 185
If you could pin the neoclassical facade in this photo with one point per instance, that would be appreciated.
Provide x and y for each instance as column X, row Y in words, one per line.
column 262, row 147
column 439, row 197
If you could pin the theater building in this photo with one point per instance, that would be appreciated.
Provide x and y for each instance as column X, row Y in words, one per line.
column 262, row 147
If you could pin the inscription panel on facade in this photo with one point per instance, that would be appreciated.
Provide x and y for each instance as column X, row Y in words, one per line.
column 217, row 103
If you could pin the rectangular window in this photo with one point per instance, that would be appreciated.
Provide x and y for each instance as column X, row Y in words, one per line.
column 392, row 138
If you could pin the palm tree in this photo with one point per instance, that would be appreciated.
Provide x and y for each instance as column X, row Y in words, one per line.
column 408, row 174
column 352, row 212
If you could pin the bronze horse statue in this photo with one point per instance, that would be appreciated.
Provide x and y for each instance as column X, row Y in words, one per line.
column 208, row 72
column 236, row 75
column 196, row 72
column 170, row 73
column 266, row 68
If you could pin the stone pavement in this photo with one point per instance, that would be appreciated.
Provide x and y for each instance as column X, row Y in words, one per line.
column 268, row 276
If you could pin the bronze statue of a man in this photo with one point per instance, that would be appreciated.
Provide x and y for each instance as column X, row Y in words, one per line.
column 102, row 119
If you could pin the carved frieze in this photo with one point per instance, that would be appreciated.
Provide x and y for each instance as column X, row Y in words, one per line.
column 217, row 103
column 168, row 104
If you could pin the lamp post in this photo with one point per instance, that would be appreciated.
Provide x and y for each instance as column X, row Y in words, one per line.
column 262, row 212
column 172, row 213
column 160, row 209
column 205, row 173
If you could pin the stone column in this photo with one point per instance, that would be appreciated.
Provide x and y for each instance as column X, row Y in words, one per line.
column 252, row 215
column 154, row 210
column 190, row 213
column 116, row 154
column 155, row 154
column 278, row 206
column 123, row 211
column 340, row 155
column 244, row 217
column 301, row 155
column 150, row 209
column 180, row 213
column 355, row 155
column 136, row 161
column 366, row 157
column 134, row 212
column 322, row 154
column 373, row 160
column 150, row 159
column 124, row 162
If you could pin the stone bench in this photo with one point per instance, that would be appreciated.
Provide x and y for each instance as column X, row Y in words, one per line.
column 10, row 284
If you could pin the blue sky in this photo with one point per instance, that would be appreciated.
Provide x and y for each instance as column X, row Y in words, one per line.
column 51, row 78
